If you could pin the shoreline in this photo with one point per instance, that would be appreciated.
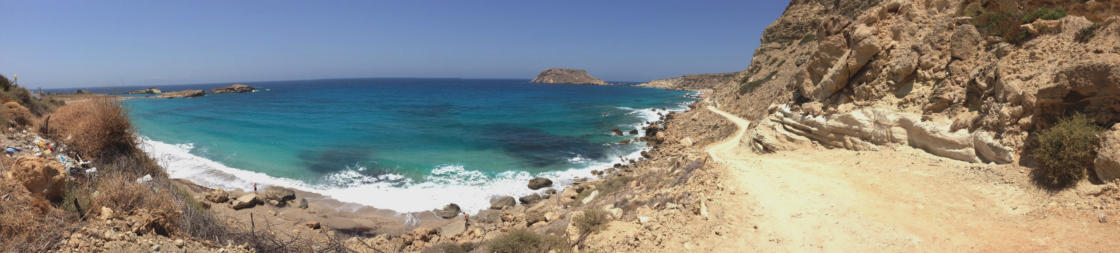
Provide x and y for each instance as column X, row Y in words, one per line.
column 357, row 218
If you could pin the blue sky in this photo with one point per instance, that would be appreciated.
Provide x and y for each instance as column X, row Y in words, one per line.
column 54, row 44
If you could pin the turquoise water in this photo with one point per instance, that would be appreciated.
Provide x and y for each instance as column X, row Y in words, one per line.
column 372, row 136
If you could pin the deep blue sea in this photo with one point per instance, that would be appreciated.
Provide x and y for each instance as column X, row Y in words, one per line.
column 401, row 144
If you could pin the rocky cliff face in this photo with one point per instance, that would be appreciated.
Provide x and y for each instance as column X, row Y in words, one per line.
column 692, row 82
column 567, row 76
column 996, row 67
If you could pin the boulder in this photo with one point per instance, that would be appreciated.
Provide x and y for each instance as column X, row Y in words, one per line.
column 617, row 131
column 217, row 196
column 454, row 228
column 312, row 225
column 534, row 217
column 498, row 203
column 41, row 176
column 245, row 201
column 302, row 203
column 964, row 43
column 539, row 182
column 236, row 88
column 487, row 216
column 448, row 211
column 634, row 132
column 530, row 199
column 1107, row 163
column 278, row 194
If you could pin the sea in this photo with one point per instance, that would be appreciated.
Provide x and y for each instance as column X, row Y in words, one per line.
column 403, row 144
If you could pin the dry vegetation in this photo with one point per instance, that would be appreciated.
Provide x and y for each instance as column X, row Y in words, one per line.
column 1065, row 151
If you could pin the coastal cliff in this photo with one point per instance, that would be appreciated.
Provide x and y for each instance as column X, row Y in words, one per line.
column 567, row 76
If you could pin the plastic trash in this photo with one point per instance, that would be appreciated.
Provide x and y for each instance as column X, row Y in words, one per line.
column 12, row 150
column 145, row 179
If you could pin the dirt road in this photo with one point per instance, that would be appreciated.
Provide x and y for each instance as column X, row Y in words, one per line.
column 897, row 199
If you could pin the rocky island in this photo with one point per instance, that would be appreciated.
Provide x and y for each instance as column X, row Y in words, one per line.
column 145, row 91
column 183, row 94
column 567, row 76
column 236, row 88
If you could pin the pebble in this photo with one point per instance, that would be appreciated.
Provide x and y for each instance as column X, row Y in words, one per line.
column 179, row 243
column 1102, row 218
column 155, row 247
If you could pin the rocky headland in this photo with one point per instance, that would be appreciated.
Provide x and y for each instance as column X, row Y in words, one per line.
column 692, row 82
column 567, row 76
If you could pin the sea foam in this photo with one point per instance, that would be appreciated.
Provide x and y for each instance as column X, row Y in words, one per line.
column 450, row 183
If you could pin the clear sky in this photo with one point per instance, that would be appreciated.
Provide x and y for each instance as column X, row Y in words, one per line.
column 56, row 44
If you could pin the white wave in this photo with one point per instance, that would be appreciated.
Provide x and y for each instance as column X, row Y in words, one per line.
column 470, row 189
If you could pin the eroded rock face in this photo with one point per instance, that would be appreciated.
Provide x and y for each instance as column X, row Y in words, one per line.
column 1091, row 86
column 41, row 176
column 567, row 76
column 1107, row 163
column 866, row 129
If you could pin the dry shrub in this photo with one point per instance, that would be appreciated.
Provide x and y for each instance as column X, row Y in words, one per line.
column 522, row 240
column 1065, row 151
column 29, row 223
column 98, row 128
column 592, row 220
column 149, row 203
column 17, row 115
column 451, row 248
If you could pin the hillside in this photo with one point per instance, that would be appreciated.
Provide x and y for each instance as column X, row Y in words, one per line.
column 566, row 76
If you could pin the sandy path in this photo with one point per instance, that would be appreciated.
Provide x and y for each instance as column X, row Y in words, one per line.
column 891, row 200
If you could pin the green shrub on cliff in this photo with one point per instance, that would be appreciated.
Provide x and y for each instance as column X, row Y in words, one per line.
column 1065, row 151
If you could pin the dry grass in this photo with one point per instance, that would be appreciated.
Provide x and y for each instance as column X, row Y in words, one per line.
column 592, row 220
column 98, row 128
column 28, row 223
column 17, row 115
column 522, row 240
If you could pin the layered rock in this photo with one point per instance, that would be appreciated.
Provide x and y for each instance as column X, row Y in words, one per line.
column 566, row 76
column 183, row 94
column 1107, row 163
column 236, row 88
column 868, row 128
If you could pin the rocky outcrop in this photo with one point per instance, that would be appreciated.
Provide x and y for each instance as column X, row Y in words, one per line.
column 566, row 76
column 41, row 176
column 245, row 201
column 236, row 88
column 448, row 211
column 217, row 196
column 1107, row 164
column 148, row 91
column 183, row 94
column 868, row 128
column 498, row 203
column 691, row 82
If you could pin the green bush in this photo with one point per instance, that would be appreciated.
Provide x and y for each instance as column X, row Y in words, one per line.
column 1066, row 150
column 1087, row 34
column 750, row 86
column 592, row 220
column 522, row 240
column 1043, row 13
column 450, row 248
